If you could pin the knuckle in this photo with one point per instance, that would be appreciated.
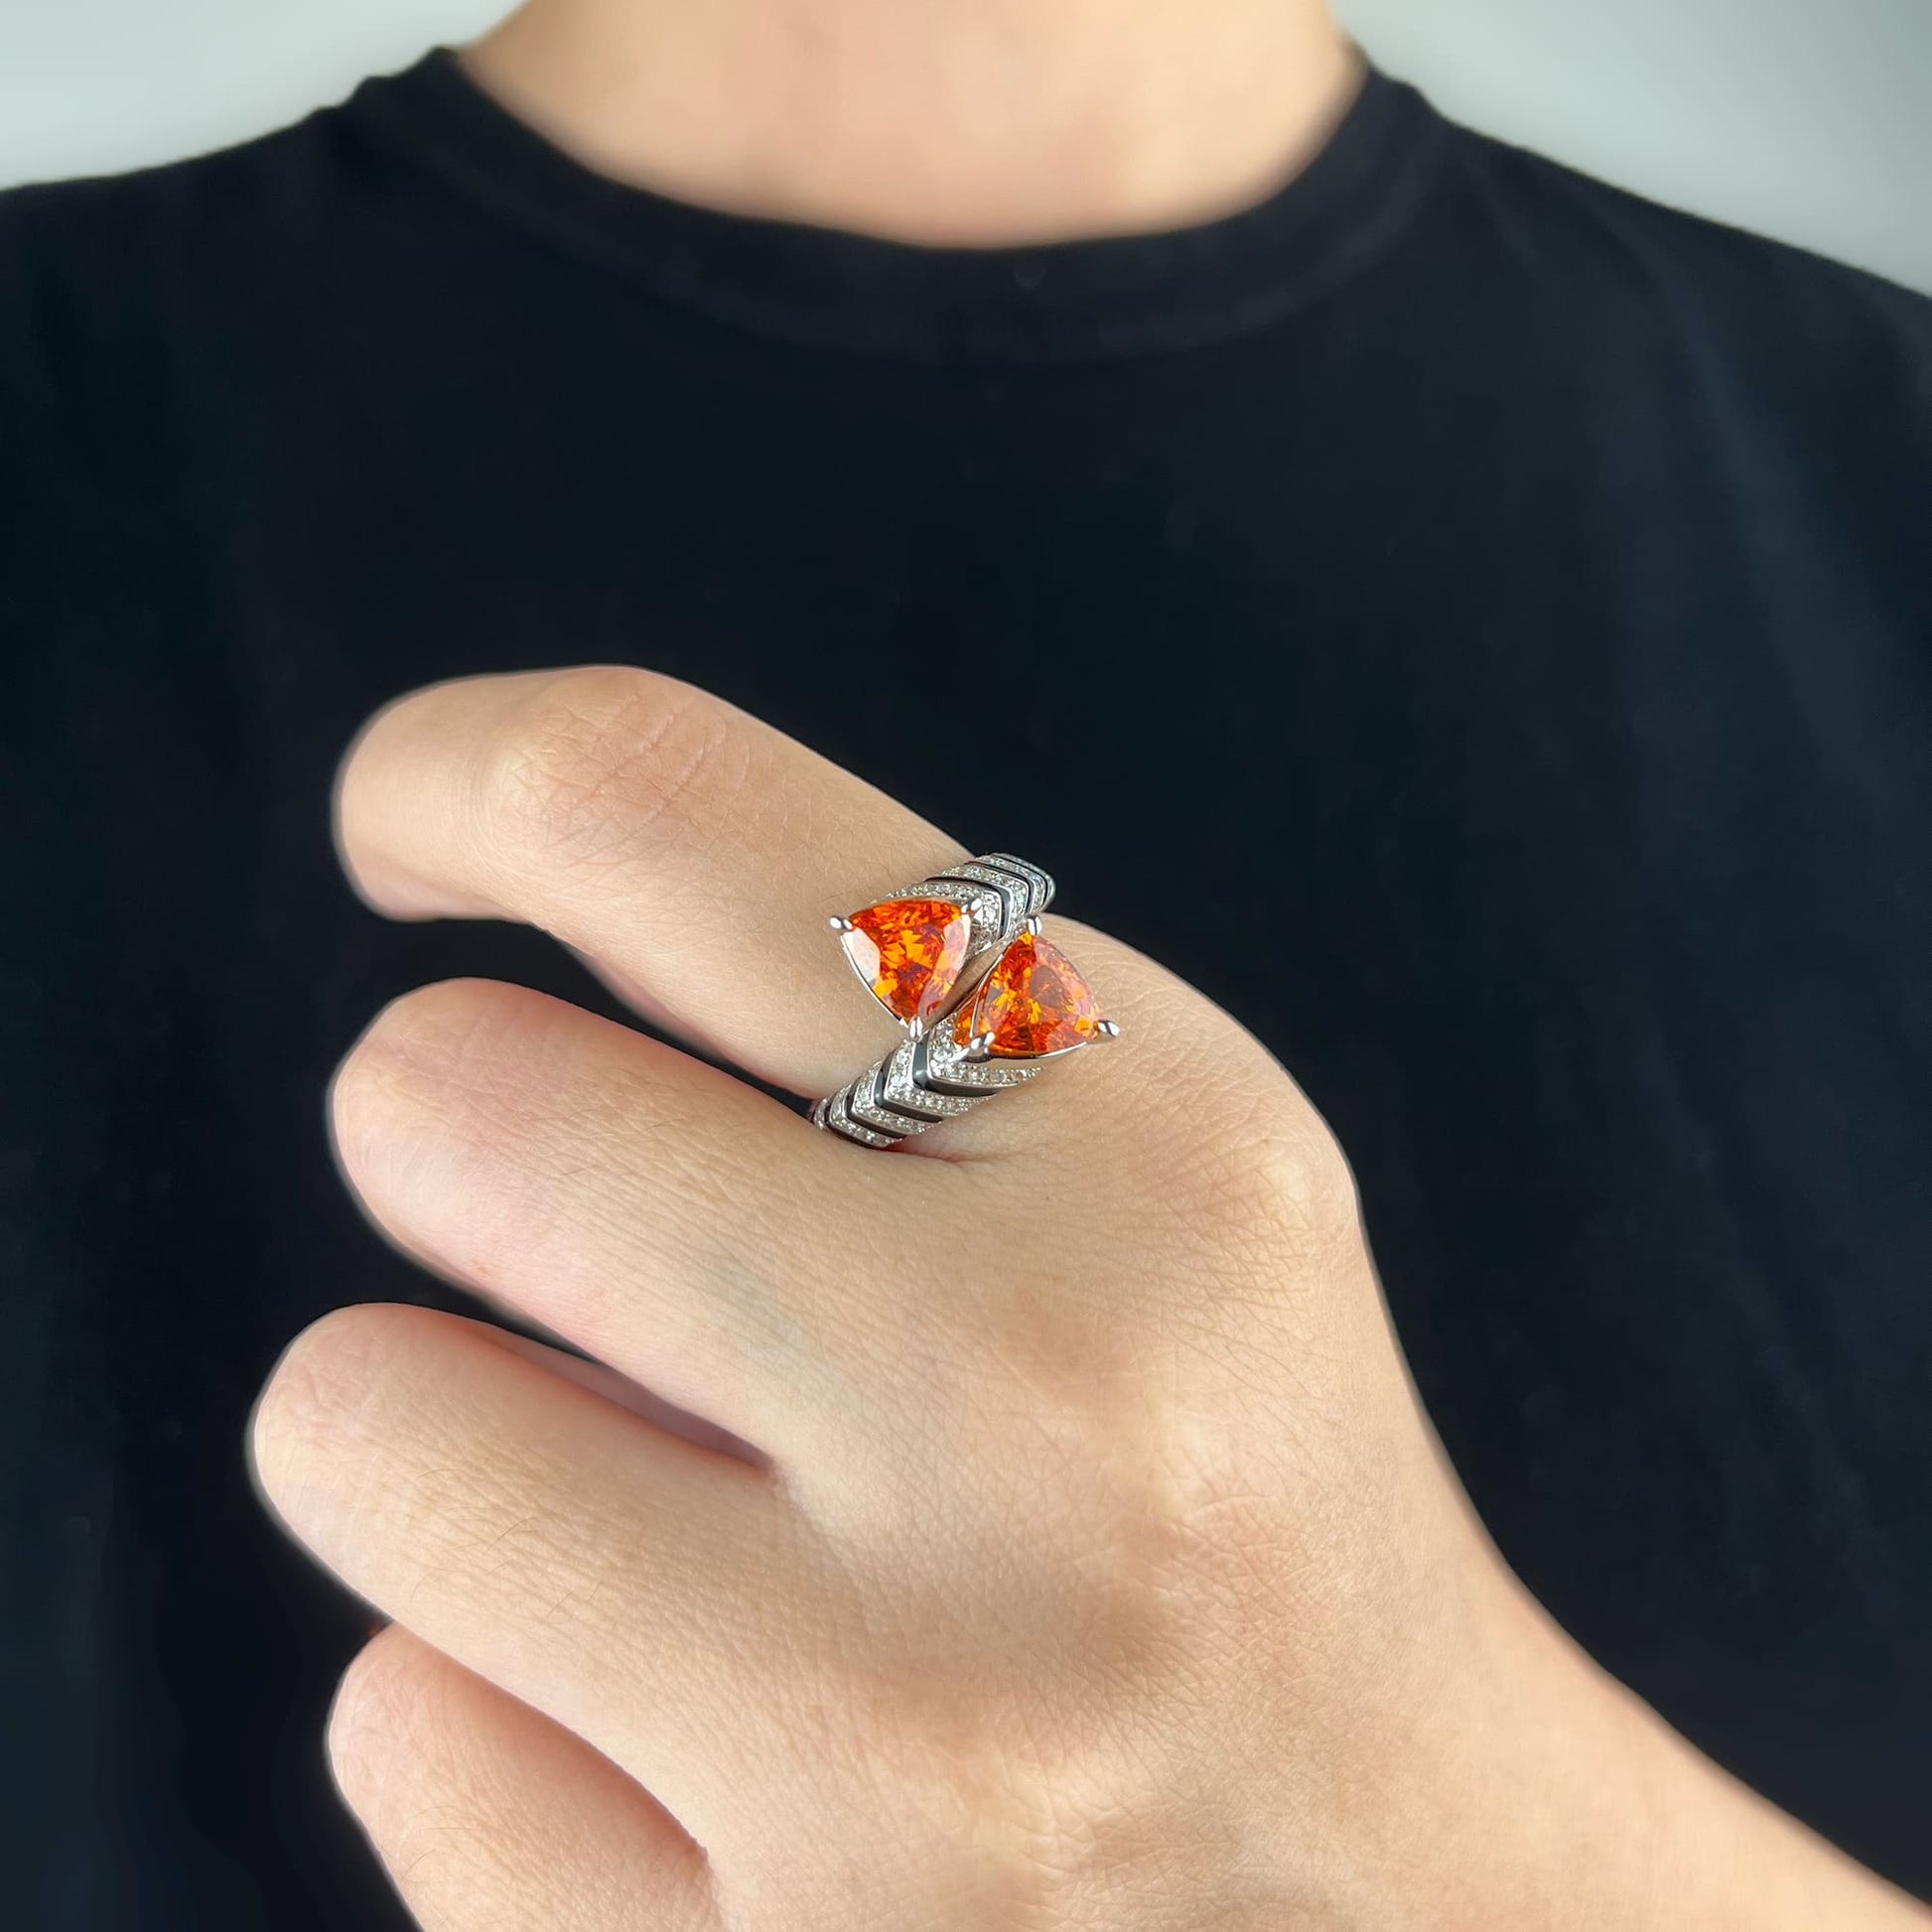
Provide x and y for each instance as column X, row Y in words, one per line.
column 421, row 1041
column 1271, row 1170
column 1297, row 1177
column 1011, row 1792
column 471, row 1121
column 402, row 1756
column 1231, row 1141
column 444, row 1072
column 598, row 762
column 373, row 1708
column 316, row 1394
column 431, row 1015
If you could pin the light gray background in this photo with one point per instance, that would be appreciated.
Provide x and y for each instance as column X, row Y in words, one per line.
column 1810, row 119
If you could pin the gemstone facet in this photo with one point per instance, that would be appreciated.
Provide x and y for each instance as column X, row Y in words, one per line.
column 1033, row 1002
column 909, row 951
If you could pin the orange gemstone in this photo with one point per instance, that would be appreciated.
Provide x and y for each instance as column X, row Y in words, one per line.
column 909, row 951
column 1033, row 1002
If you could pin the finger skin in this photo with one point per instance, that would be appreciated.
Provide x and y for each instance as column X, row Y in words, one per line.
column 668, row 1219
column 692, row 851
column 641, row 1592
column 614, row 1387
column 490, row 1818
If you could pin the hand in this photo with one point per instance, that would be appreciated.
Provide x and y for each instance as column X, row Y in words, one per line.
column 1062, row 1546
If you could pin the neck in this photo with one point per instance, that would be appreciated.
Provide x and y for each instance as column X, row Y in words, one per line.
column 965, row 123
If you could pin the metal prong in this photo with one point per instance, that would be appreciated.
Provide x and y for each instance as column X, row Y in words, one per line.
column 1106, row 1028
column 838, row 923
column 915, row 1027
column 1033, row 927
column 980, row 1047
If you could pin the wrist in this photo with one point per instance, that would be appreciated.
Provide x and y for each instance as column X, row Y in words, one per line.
column 1581, row 1808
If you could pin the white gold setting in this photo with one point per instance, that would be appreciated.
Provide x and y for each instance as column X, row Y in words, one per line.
column 921, row 1084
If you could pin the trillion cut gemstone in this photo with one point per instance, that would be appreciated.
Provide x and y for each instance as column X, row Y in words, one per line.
column 909, row 951
column 1033, row 1002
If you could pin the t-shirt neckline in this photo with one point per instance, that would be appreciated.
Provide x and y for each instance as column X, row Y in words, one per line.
column 1103, row 298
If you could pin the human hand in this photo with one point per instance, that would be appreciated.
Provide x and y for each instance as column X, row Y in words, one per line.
column 1077, row 1556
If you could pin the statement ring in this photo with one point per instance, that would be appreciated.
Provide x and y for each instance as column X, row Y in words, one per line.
column 961, row 962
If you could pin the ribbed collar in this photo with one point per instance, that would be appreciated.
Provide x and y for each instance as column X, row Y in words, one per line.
column 1116, row 296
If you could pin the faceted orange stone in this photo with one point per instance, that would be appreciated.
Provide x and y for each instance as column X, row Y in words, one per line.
column 1033, row 1002
column 909, row 951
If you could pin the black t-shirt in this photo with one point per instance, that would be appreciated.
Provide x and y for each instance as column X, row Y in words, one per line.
column 1475, row 623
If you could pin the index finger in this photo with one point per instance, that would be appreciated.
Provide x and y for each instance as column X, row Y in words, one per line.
column 693, row 851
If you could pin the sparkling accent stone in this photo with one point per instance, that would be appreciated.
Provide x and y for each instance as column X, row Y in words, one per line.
column 1042, row 881
column 1033, row 1002
column 840, row 1120
column 909, row 951
column 901, row 1087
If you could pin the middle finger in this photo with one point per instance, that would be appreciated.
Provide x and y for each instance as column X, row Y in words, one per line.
column 663, row 1216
